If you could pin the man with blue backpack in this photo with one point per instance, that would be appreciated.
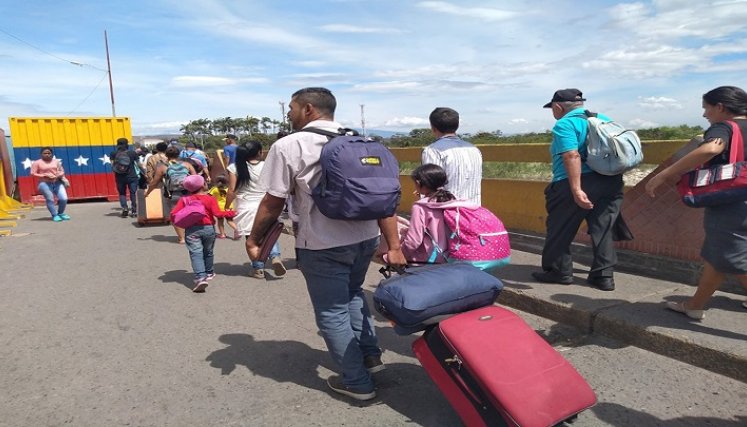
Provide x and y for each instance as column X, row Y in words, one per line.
column 576, row 194
column 333, row 254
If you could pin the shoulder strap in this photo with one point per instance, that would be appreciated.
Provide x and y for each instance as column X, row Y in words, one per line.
column 736, row 151
column 589, row 113
column 330, row 134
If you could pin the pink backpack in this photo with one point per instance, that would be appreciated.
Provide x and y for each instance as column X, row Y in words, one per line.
column 191, row 214
column 477, row 236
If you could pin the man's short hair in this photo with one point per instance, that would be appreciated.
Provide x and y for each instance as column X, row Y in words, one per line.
column 122, row 141
column 161, row 147
column 445, row 120
column 190, row 144
column 321, row 98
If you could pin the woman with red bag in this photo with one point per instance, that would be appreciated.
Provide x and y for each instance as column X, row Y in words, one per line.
column 725, row 246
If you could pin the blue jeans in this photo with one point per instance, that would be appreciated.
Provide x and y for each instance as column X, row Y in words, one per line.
column 51, row 189
column 334, row 278
column 200, row 241
column 123, row 184
column 274, row 252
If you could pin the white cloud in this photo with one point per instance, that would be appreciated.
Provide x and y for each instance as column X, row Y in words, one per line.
column 482, row 13
column 212, row 81
column 347, row 28
column 681, row 18
column 518, row 121
column 407, row 122
column 659, row 103
column 642, row 124
column 385, row 86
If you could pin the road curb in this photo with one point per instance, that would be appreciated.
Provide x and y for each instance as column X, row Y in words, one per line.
column 602, row 322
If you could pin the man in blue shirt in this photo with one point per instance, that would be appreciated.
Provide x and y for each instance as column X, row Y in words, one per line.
column 575, row 194
column 229, row 151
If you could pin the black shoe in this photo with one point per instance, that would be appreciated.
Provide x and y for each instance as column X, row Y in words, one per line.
column 373, row 364
column 552, row 277
column 124, row 213
column 602, row 283
column 133, row 214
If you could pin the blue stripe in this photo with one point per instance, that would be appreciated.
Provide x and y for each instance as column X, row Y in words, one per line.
column 94, row 154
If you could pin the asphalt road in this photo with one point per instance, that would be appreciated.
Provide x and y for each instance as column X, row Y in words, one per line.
column 99, row 328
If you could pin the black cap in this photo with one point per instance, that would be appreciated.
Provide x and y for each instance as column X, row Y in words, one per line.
column 230, row 136
column 565, row 95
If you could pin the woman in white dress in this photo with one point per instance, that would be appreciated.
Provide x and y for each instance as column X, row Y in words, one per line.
column 245, row 195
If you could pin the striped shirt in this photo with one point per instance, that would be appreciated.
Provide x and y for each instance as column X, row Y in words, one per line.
column 462, row 162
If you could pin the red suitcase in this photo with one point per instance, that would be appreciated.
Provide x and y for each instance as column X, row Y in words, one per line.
column 495, row 370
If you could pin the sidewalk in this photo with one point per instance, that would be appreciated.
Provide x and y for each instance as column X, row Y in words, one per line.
column 634, row 313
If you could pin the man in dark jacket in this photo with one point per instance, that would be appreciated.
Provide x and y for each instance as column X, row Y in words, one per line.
column 124, row 163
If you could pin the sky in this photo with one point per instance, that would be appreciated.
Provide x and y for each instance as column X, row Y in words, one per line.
column 644, row 63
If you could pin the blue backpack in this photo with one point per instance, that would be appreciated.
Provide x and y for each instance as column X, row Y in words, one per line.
column 360, row 177
column 611, row 149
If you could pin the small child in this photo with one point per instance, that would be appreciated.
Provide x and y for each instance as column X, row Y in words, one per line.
column 427, row 235
column 219, row 191
column 200, row 238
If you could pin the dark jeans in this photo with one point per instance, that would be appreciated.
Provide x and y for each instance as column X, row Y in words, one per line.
column 564, row 217
column 123, row 184
column 334, row 278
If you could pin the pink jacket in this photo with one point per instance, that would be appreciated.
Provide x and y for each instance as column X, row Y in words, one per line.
column 417, row 246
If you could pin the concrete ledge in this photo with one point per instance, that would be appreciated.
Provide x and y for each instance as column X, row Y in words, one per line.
column 635, row 314
column 639, row 263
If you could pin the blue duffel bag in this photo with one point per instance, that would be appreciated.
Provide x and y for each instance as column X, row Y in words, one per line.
column 423, row 296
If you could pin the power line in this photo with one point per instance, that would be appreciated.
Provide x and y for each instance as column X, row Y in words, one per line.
column 79, row 64
column 88, row 96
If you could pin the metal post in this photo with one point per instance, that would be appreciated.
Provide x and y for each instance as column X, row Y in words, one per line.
column 109, row 71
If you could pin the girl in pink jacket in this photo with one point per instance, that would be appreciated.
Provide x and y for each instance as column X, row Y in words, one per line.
column 427, row 236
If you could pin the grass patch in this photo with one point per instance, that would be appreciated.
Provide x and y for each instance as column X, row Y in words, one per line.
column 504, row 170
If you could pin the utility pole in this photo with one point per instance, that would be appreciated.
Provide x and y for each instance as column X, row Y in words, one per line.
column 109, row 71
column 363, row 120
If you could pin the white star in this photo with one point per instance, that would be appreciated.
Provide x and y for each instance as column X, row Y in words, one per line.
column 105, row 160
column 81, row 160
column 27, row 163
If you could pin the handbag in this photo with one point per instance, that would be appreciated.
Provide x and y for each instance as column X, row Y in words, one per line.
column 191, row 214
column 423, row 296
column 719, row 184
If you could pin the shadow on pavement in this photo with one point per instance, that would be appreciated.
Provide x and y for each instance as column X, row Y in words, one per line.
column 519, row 274
column 618, row 415
column 160, row 238
column 181, row 277
column 403, row 387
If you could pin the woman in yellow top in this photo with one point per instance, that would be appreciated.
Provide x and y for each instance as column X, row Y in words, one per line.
column 219, row 191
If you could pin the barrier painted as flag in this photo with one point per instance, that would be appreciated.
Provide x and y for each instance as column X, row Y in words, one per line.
column 83, row 144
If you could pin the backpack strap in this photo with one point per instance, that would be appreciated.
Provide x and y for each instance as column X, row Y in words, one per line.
column 589, row 113
column 330, row 134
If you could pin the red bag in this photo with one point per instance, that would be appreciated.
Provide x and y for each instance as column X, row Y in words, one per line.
column 719, row 184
